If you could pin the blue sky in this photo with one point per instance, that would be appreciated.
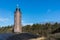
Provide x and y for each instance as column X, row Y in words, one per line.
column 33, row 11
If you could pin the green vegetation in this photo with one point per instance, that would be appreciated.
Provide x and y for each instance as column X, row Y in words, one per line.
column 6, row 29
column 40, row 29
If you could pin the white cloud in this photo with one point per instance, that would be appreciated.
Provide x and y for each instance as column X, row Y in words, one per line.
column 4, row 19
column 24, row 23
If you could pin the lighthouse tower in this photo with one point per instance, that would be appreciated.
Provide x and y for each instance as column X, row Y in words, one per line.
column 17, row 20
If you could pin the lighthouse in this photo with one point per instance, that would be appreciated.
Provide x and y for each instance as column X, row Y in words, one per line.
column 17, row 20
